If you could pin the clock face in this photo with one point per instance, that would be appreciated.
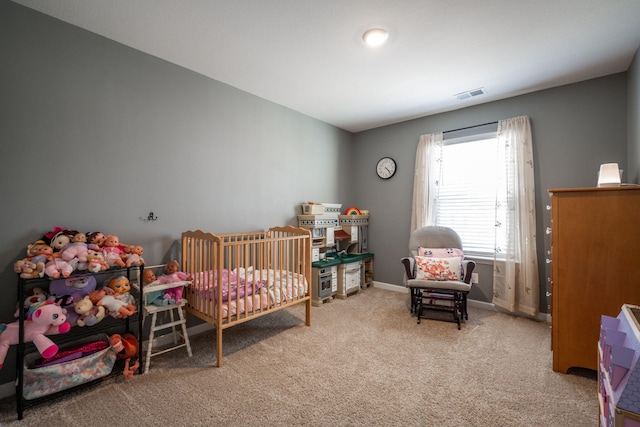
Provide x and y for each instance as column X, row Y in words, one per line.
column 386, row 167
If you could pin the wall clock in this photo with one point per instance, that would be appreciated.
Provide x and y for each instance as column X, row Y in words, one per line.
column 386, row 167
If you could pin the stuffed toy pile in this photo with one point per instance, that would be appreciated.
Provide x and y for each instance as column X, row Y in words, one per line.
column 68, row 257
column 60, row 252
column 73, row 297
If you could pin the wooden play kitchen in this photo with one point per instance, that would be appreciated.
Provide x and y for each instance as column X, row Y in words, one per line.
column 342, row 265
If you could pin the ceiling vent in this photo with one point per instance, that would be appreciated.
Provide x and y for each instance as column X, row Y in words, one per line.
column 470, row 94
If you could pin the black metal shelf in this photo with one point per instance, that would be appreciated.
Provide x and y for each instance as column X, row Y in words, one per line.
column 108, row 325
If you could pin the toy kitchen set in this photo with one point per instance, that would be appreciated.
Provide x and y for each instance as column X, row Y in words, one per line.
column 342, row 264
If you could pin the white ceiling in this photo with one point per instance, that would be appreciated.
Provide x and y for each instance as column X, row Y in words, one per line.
column 308, row 54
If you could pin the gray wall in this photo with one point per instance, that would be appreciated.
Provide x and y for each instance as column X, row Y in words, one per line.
column 95, row 135
column 633, row 102
column 575, row 129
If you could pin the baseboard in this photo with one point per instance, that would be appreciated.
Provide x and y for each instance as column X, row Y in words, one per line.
column 481, row 304
column 167, row 339
column 390, row 287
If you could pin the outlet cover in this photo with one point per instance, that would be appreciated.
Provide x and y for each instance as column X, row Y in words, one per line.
column 474, row 278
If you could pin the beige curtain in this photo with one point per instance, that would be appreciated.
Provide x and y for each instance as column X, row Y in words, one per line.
column 515, row 269
column 427, row 175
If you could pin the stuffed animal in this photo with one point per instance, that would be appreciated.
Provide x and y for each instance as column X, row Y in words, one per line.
column 148, row 277
column 172, row 276
column 32, row 267
column 76, row 249
column 113, row 251
column 126, row 347
column 89, row 314
column 120, row 285
column 44, row 319
column 115, row 307
column 59, row 238
column 28, row 269
column 58, row 267
column 128, row 371
column 153, row 297
column 95, row 240
column 96, row 262
column 134, row 256
column 71, row 290
column 77, row 286
column 34, row 296
column 39, row 251
column 121, row 289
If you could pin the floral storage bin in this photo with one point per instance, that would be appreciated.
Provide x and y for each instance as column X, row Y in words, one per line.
column 75, row 364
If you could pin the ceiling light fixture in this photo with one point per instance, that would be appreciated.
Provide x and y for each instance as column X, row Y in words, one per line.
column 375, row 36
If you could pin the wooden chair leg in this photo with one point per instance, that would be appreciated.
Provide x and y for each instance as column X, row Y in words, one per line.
column 414, row 296
column 464, row 306
column 425, row 300
column 458, row 304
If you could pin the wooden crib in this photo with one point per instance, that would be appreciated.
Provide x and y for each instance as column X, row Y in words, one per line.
column 238, row 277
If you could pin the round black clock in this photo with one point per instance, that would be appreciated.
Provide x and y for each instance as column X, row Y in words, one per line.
column 386, row 167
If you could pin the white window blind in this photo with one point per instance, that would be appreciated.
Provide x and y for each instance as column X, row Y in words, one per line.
column 467, row 192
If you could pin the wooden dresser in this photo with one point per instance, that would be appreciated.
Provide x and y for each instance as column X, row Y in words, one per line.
column 595, row 253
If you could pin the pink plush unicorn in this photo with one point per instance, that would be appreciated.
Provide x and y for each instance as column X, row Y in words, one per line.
column 43, row 319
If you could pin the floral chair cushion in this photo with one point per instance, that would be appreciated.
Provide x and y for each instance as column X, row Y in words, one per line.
column 431, row 268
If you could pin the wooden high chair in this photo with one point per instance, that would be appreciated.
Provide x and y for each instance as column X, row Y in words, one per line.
column 174, row 324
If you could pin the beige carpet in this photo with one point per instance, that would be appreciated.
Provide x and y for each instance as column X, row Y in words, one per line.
column 364, row 361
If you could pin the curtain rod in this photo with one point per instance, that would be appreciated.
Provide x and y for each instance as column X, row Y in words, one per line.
column 470, row 127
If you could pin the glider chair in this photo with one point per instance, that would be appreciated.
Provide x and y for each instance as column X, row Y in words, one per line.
column 437, row 275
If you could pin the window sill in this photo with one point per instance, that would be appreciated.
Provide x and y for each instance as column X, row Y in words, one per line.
column 480, row 259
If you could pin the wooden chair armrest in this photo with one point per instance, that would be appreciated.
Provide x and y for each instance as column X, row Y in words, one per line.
column 409, row 264
column 468, row 266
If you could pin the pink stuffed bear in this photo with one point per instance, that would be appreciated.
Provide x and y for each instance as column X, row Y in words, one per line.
column 44, row 319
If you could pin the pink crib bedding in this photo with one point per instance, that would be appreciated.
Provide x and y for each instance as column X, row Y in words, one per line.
column 262, row 288
column 205, row 283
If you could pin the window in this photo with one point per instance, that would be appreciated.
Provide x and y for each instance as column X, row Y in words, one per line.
column 466, row 199
column 457, row 185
